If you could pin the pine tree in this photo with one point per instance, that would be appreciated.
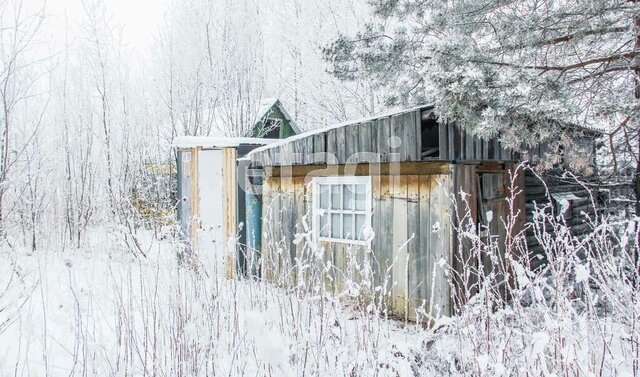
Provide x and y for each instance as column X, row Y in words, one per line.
column 523, row 71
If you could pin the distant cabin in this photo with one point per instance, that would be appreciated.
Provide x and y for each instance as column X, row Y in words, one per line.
column 383, row 185
column 210, row 190
column 273, row 121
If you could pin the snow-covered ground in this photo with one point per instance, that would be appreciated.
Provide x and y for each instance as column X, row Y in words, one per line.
column 103, row 312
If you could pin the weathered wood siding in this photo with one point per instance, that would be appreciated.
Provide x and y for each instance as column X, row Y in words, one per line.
column 410, row 219
column 394, row 138
column 456, row 144
column 484, row 210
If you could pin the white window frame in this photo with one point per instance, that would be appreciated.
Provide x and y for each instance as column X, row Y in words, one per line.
column 342, row 180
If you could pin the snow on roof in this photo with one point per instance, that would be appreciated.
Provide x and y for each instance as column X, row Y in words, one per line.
column 265, row 107
column 334, row 126
column 217, row 141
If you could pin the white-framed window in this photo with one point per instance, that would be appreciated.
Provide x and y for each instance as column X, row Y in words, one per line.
column 342, row 208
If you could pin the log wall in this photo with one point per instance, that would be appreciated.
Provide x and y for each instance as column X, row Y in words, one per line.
column 540, row 194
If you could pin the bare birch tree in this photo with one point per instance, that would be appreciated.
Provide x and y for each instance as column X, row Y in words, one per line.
column 19, row 75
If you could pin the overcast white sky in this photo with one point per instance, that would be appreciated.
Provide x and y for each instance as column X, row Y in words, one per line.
column 139, row 18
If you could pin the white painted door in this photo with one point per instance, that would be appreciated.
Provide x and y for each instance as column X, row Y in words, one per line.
column 211, row 208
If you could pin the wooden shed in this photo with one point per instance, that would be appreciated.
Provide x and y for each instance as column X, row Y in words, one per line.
column 211, row 186
column 209, row 208
column 382, row 185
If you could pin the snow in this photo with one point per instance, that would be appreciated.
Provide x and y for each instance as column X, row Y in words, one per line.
column 265, row 107
column 104, row 312
column 540, row 341
column 582, row 273
column 217, row 141
column 489, row 216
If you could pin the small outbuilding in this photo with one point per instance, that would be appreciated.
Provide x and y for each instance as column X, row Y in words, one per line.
column 208, row 209
column 383, row 186
column 210, row 190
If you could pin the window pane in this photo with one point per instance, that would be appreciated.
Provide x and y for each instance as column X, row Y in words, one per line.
column 347, row 199
column 324, row 225
column 361, row 197
column 360, row 219
column 335, row 196
column 336, row 226
column 347, row 226
column 324, row 196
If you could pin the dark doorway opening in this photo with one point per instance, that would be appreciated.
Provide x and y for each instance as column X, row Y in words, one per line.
column 430, row 136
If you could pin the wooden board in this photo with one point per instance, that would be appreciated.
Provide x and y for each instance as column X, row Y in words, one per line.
column 384, row 233
column 440, row 216
column 194, row 198
column 415, row 278
column 424, row 261
column 230, row 222
column 287, row 222
column 399, row 250
column 366, row 141
column 271, row 234
column 377, row 225
column 383, row 133
column 405, row 168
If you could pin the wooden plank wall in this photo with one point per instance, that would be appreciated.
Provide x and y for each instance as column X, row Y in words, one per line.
column 406, row 249
column 342, row 143
column 456, row 144
column 395, row 138
column 486, row 187
column 286, row 202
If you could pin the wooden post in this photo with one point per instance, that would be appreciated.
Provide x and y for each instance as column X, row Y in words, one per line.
column 195, row 195
column 230, row 220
